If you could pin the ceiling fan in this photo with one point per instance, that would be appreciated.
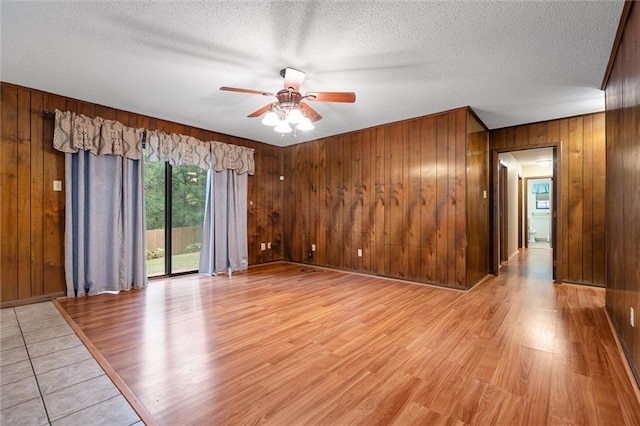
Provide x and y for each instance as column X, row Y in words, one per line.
column 289, row 108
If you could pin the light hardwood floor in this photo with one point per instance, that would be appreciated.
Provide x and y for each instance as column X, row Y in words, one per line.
column 280, row 346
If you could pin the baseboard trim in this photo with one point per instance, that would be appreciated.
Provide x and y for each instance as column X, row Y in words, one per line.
column 382, row 277
column 31, row 300
column 625, row 359
column 582, row 284
column 135, row 403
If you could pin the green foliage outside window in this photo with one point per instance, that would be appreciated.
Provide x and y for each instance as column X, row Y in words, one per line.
column 189, row 186
column 154, row 194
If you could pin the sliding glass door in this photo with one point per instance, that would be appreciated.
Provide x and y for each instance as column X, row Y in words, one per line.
column 175, row 198
column 155, row 202
column 188, row 186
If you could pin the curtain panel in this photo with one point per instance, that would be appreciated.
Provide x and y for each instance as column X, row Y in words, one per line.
column 224, row 234
column 105, row 235
column 105, row 230
column 540, row 188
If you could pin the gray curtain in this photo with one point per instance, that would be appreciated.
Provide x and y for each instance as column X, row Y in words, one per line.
column 105, row 247
column 224, row 236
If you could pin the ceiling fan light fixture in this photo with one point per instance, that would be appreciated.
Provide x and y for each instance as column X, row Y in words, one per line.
column 288, row 113
column 283, row 127
column 294, row 116
column 271, row 119
column 305, row 124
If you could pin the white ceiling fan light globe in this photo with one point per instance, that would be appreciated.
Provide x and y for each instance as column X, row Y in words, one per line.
column 294, row 116
column 283, row 127
column 270, row 119
column 305, row 124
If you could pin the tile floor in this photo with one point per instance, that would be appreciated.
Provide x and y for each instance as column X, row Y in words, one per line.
column 48, row 377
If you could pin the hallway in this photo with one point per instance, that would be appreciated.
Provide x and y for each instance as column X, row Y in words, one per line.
column 534, row 262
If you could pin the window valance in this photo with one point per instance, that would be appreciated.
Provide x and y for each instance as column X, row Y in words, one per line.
column 76, row 132
column 179, row 149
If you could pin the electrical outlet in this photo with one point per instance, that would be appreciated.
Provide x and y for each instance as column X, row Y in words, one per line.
column 359, row 252
column 313, row 247
column 269, row 246
column 632, row 317
column 281, row 177
column 57, row 185
column 263, row 246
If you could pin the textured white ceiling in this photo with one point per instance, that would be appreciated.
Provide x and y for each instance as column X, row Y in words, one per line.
column 513, row 62
column 530, row 157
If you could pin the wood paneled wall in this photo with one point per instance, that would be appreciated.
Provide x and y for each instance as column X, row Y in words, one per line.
column 477, row 200
column 581, row 215
column 623, row 187
column 398, row 192
column 32, row 226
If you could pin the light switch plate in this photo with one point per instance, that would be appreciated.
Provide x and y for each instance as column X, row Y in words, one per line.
column 57, row 185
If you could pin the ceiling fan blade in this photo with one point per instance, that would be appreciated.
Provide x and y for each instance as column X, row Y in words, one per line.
column 260, row 111
column 293, row 78
column 348, row 97
column 310, row 112
column 254, row 92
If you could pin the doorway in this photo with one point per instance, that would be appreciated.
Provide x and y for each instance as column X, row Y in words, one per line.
column 174, row 205
column 511, row 221
column 521, row 202
column 538, row 205
column 504, row 212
